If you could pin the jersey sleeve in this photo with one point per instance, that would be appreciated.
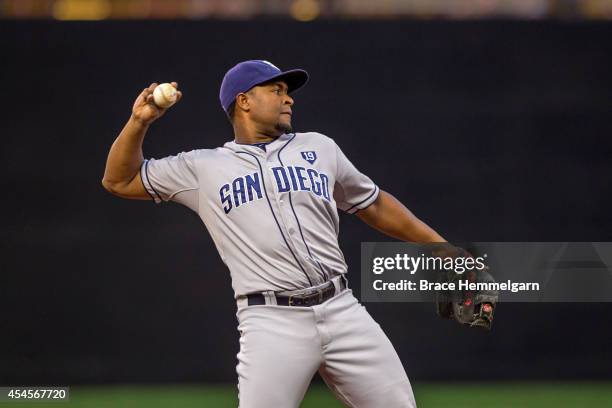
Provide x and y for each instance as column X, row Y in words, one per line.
column 353, row 190
column 173, row 178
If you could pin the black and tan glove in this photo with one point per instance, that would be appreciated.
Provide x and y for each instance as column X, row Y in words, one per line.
column 470, row 307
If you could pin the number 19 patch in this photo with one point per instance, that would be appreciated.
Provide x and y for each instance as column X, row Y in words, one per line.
column 310, row 157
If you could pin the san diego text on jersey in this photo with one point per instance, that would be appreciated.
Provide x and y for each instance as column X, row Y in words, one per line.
column 245, row 189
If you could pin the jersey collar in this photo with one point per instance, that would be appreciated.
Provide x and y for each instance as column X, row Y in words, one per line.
column 255, row 148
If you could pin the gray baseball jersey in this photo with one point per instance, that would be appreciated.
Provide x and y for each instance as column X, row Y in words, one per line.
column 271, row 209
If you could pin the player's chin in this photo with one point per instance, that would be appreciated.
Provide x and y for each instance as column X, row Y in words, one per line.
column 284, row 127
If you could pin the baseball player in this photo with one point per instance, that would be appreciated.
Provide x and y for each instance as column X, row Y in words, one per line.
column 269, row 199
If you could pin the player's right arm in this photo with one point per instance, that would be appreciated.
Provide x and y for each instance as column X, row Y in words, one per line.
column 122, row 172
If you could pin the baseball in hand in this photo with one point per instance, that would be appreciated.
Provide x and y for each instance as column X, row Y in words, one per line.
column 164, row 95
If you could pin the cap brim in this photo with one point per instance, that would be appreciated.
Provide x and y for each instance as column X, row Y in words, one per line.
column 295, row 79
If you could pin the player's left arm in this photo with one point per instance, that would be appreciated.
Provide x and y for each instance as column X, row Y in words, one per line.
column 389, row 216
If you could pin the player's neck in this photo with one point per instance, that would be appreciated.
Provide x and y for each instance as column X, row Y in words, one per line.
column 248, row 135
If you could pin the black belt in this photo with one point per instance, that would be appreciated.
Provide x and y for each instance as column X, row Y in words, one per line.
column 307, row 298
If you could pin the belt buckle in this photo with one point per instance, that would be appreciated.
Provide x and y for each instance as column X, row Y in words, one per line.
column 309, row 299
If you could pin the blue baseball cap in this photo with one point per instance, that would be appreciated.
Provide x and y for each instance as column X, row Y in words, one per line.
column 248, row 74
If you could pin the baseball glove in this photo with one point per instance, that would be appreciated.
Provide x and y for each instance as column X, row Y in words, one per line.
column 470, row 307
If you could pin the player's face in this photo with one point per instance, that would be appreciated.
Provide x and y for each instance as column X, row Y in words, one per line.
column 271, row 108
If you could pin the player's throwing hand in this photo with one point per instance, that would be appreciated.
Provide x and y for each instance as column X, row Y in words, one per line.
column 145, row 110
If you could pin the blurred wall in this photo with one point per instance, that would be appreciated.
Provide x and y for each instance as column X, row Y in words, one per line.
column 489, row 131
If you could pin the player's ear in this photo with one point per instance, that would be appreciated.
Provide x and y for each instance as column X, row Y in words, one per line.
column 242, row 102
